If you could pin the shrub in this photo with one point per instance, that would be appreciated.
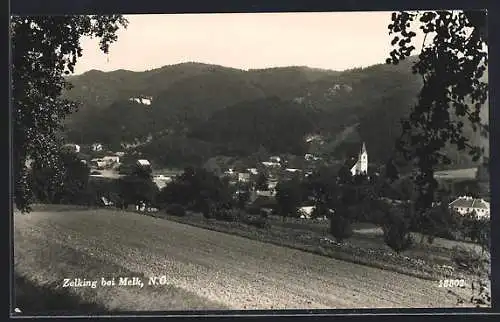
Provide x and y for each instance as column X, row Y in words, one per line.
column 340, row 226
column 469, row 260
column 396, row 231
column 253, row 210
column 229, row 215
column 176, row 210
column 258, row 222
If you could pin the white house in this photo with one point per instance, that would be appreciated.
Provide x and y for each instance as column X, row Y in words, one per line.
column 253, row 171
column 305, row 212
column 110, row 159
column 466, row 205
column 361, row 165
column 161, row 180
column 143, row 163
column 96, row 147
column 275, row 159
column 271, row 164
column 142, row 100
column 243, row 177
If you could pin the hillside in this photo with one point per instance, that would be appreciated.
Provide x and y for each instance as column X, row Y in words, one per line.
column 227, row 111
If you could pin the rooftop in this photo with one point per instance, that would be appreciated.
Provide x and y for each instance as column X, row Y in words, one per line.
column 469, row 202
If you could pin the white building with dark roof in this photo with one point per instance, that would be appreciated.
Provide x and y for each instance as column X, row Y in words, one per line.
column 143, row 163
column 361, row 165
column 467, row 205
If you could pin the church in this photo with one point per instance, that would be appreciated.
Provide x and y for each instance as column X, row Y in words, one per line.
column 361, row 165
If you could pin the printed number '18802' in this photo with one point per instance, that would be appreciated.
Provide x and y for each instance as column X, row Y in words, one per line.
column 452, row 283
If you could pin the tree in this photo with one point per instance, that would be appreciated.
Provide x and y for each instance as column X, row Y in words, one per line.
column 73, row 185
column 136, row 188
column 451, row 65
column 243, row 195
column 44, row 50
column 340, row 223
column 197, row 189
column 288, row 196
column 261, row 182
column 396, row 230
column 321, row 187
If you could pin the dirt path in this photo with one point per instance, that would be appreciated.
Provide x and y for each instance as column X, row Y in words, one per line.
column 241, row 273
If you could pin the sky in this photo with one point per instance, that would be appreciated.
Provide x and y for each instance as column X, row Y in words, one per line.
column 331, row 40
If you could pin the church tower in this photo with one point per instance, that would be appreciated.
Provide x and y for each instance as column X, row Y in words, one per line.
column 363, row 160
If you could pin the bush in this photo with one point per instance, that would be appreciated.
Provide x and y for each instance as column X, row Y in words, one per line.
column 340, row 226
column 258, row 222
column 229, row 215
column 469, row 260
column 397, row 231
column 176, row 210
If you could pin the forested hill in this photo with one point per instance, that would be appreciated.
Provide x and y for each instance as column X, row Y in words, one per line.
column 230, row 111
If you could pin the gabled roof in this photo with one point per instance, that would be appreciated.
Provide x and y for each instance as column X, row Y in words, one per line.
column 143, row 162
column 469, row 202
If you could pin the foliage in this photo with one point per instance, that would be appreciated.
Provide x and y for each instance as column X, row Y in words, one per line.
column 279, row 126
column 469, row 260
column 452, row 66
column 288, row 197
column 176, row 210
column 261, row 182
column 397, row 230
column 477, row 229
column 197, row 189
column 138, row 187
column 229, row 215
column 340, row 224
column 73, row 185
column 243, row 195
column 44, row 49
column 256, row 221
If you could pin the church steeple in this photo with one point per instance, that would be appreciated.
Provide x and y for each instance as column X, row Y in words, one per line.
column 363, row 148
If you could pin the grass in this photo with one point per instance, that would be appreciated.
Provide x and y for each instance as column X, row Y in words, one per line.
column 40, row 271
column 422, row 261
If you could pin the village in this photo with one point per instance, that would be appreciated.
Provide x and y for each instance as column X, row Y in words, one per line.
column 109, row 165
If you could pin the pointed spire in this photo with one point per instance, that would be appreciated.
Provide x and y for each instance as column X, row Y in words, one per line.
column 363, row 149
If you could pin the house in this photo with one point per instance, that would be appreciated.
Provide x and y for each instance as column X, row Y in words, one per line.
column 253, row 171
column 142, row 100
column 467, row 205
column 98, row 163
column 96, row 147
column 161, row 180
column 306, row 212
column 75, row 148
column 361, row 163
column 275, row 159
column 106, row 202
column 311, row 157
column 271, row 164
column 143, row 163
column 119, row 154
column 243, row 177
column 111, row 159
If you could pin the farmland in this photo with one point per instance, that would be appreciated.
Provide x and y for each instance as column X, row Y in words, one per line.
column 205, row 269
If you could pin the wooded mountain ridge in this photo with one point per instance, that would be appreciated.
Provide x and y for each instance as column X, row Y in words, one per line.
column 228, row 111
